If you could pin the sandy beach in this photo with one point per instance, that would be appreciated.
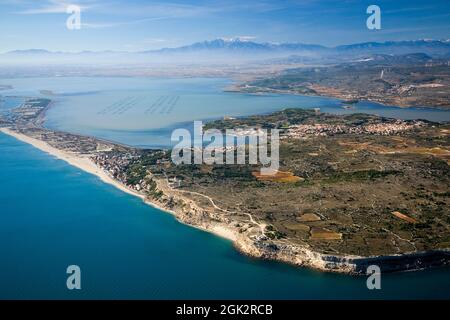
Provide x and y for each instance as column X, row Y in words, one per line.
column 82, row 163
column 87, row 165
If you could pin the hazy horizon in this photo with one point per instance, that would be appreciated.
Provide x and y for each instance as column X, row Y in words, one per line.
column 237, row 39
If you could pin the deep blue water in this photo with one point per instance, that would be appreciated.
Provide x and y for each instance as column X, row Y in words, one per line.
column 53, row 215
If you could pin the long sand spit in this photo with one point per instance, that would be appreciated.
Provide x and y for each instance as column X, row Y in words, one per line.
column 86, row 164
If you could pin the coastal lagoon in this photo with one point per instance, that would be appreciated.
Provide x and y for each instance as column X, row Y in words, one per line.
column 144, row 111
column 54, row 215
column 8, row 103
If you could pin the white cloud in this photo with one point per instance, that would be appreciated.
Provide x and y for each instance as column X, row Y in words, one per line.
column 99, row 25
column 51, row 7
column 139, row 13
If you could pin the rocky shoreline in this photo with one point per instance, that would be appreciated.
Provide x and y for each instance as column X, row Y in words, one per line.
column 298, row 255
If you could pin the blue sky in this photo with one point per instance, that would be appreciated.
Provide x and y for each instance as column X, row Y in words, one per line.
column 135, row 25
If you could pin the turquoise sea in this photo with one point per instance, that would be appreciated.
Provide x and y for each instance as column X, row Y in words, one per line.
column 53, row 215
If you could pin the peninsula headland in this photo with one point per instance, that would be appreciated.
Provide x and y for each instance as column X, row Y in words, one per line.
column 352, row 190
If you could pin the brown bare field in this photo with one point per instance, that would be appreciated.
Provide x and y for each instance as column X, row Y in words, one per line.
column 327, row 91
column 279, row 176
column 297, row 227
column 403, row 146
column 324, row 234
column 308, row 217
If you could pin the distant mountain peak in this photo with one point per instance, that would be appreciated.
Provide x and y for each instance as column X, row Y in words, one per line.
column 244, row 44
column 29, row 51
column 237, row 47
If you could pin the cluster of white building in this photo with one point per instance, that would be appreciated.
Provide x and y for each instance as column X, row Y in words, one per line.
column 392, row 128
column 384, row 128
